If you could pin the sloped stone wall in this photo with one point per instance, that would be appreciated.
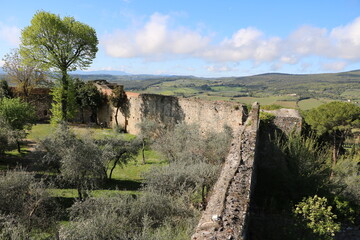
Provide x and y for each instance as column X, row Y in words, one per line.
column 226, row 215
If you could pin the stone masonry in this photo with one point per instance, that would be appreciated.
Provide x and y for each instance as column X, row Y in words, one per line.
column 226, row 215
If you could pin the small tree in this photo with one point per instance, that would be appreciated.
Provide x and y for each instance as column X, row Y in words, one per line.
column 124, row 217
column 26, row 199
column 149, row 132
column 79, row 160
column 25, row 76
column 60, row 44
column 194, row 160
column 120, row 101
column 186, row 143
column 334, row 121
column 118, row 151
column 18, row 115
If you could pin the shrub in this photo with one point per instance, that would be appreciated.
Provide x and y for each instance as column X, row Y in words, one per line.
column 318, row 216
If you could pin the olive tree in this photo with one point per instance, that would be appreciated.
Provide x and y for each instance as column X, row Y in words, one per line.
column 79, row 160
column 60, row 44
column 149, row 132
column 118, row 151
column 25, row 199
column 186, row 143
column 123, row 217
column 194, row 161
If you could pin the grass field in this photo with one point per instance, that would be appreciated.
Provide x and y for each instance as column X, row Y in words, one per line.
column 307, row 104
column 126, row 179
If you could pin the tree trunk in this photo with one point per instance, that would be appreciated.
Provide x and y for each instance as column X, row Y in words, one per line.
column 334, row 156
column 64, row 94
column 82, row 115
column 203, row 203
column 18, row 146
column 143, row 151
column 116, row 115
column 80, row 193
column 113, row 167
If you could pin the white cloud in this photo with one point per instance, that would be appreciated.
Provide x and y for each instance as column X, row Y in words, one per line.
column 154, row 40
column 2, row 63
column 10, row 34
column 219, row 68
column 347, row 40
column 307, row 40
column 243, row 37
column 157, row 39
column 334, row 66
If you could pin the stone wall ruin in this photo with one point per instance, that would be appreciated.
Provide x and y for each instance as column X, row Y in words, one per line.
column 227, row 212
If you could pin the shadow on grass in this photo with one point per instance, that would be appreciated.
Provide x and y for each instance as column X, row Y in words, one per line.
column 62, row 204
column 107, row 184
column 156, row 162
column 115, row 184
column 10, row 161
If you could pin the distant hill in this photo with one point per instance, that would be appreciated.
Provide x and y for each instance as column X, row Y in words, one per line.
column 101, row 72
column 342, row 85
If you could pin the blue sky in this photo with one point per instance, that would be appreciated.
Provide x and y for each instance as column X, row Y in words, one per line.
column 207, row 38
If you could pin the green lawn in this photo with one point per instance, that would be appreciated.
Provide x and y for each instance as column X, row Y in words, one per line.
column 125, row 180
column 40, row 131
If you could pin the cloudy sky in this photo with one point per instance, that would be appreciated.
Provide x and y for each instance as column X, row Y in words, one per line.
column 205, row 37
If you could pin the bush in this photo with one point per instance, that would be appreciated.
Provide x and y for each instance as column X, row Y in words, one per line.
column 25, row 200
column 318, row 216
column 79, row 160
column 124, row 217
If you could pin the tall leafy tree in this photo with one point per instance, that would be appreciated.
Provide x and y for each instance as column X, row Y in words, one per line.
column 120, row 101
column 334, row 121
column 60, row 44
column 25, row 76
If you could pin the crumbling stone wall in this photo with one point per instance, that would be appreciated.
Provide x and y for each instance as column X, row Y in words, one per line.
column 226, row 215
column 287, row 120
column 168, row 110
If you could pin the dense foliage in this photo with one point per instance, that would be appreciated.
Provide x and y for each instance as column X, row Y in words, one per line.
column 295, row 194
column 79, row 160
column 60, row 44
column 16, row 117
